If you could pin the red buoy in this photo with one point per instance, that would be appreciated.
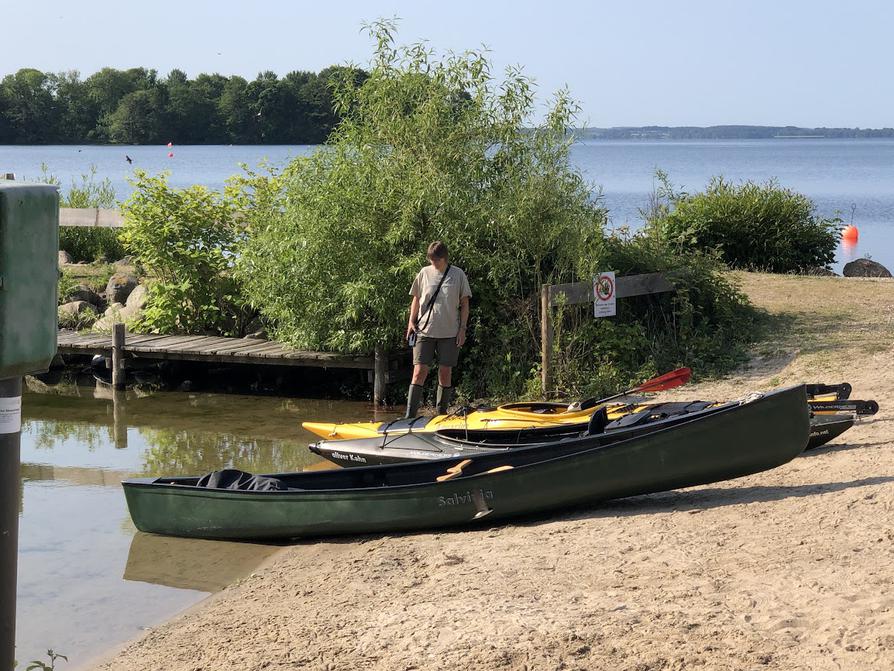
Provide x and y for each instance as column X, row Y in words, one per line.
column 850, row 233
column 170, row 144
column 170, row 154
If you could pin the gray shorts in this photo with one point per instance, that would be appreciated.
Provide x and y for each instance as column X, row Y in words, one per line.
column 424, row 351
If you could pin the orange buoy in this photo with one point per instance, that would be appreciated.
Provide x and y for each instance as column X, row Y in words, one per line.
column 850, row 233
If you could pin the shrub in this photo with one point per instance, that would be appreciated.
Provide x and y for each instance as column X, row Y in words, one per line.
column 77, row 322
column 753, row 226
column 86, row 244
column 437, row 149
column 186, row 240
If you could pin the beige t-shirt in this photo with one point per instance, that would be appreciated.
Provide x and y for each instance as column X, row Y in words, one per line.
column 444, row 321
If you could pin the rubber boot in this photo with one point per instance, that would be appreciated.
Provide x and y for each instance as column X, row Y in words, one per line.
column 445, row 397
column 414, row 400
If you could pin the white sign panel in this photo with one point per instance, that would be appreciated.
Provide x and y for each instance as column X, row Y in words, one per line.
column 604, row 304
column 11, row 414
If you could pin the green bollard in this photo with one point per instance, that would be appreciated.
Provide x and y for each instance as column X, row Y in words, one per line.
column 29, row 280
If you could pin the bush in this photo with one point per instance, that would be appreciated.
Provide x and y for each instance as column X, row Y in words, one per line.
column 436, row 149
column 77, row 322
column 186, row 240
column 428, row 150
column 753, row 226
column 86, row 244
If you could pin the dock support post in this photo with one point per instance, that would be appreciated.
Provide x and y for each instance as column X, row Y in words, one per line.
column 118, row 336
column 10, row 433
column 380, row 376
column 546, row 339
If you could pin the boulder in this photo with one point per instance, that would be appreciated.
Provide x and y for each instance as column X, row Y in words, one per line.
column 119, row 287
column 865, row 268
column 84, row 293
column 74, row 308
column 819, row 271
column 117, row 313
column 138, row 297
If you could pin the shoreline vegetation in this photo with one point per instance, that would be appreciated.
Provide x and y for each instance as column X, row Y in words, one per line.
column 319, row 254
column 631, row 584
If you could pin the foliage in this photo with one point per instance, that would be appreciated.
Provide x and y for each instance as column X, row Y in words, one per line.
column 753, row 226
column 428, row 149
column 85, row 244
column 705, row 323
column 138, row 106
column 185, row 239
column 38, row 665
column 78, row 322
column 67, row 284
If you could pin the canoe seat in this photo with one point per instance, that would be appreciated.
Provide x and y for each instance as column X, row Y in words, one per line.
column 498, row 469
column 454, row 471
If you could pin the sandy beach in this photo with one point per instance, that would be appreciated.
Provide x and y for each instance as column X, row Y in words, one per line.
column 788, row 569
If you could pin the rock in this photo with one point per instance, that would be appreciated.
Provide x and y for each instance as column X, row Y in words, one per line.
column 84, row 293
column 64, row 258
column 117, row 313
column 119, row 287
column 138, row 297
column 819, row 271
column 865, row 268
column 75, row 308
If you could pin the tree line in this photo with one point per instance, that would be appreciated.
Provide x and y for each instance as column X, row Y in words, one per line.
column 727, row 132
column 136, row 106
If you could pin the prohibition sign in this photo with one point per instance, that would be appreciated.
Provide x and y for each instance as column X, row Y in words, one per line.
column 605, row 288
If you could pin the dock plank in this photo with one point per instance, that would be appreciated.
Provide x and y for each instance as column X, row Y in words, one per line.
column 215, row 349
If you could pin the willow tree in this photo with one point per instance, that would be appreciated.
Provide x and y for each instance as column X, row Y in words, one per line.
column 430, row 147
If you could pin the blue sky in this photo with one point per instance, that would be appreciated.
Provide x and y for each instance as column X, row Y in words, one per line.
column 629, row 62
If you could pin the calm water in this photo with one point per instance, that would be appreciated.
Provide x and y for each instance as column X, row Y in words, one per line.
column 848, row 177
column 87, row 580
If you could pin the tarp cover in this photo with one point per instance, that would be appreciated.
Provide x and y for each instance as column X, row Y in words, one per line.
column 231, row 478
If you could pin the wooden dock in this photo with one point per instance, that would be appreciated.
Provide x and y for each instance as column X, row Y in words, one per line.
column 213, row 349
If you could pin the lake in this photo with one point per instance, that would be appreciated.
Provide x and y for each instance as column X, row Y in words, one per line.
column 851, row 178
column 88, row 581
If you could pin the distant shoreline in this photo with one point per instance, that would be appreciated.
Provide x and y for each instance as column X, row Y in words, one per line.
column 594, row 133
column 731, row 132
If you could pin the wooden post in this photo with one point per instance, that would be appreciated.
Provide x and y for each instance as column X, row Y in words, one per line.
column 577, row 293
column 546, row 339
column 118, row 337
column 380, row 376
column 119, row 419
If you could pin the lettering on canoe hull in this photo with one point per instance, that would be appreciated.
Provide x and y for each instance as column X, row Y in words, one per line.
column 348, row 457
column 457, row 499
column 819, row 432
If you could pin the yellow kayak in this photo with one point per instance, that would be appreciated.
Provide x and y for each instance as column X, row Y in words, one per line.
column 529, row 415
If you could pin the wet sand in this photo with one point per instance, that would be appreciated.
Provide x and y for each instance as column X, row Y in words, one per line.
column 787, row 569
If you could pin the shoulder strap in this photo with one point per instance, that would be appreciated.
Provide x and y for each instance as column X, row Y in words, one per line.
column 431, row 301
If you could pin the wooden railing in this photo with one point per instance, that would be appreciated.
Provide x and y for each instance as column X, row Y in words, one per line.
column 577, row 293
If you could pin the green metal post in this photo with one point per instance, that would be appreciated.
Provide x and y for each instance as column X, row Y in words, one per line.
column 10, row 433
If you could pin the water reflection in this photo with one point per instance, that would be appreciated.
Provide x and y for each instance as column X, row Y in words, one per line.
column 87, row 580
column 190, row 563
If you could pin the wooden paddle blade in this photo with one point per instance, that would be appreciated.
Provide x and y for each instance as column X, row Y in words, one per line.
column 667, row 381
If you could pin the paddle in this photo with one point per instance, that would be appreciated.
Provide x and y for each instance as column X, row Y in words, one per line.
column 670, row 380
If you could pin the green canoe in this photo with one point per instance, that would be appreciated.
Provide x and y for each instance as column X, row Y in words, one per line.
column 755, row 436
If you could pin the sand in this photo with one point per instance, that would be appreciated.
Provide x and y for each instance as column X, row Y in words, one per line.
column 788, row 569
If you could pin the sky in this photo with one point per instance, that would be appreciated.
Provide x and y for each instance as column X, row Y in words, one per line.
column 628, row 63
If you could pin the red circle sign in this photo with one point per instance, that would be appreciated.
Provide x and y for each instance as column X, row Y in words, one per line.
column 605, row 288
